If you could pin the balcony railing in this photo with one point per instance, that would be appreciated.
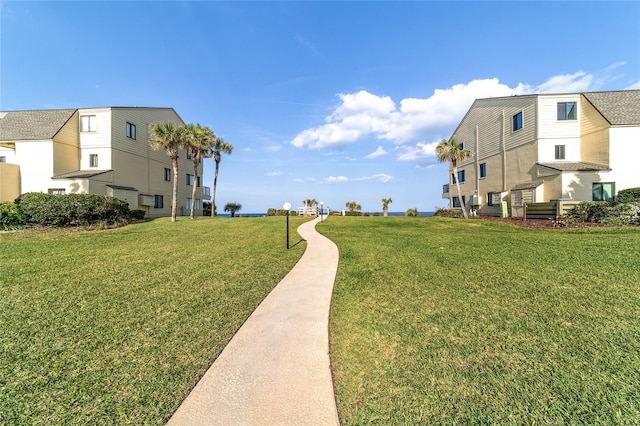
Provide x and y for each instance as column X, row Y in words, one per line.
column 445, row 188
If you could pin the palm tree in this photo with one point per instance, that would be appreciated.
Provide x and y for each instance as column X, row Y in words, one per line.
column 353, row 206
column 219, row 147
column 385, row 206
column 171, row 138
column 450, row 151
column 199, row 146
column 232, row 208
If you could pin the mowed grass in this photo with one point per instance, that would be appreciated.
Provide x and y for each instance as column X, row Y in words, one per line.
column 117, row 326
column 445, row 321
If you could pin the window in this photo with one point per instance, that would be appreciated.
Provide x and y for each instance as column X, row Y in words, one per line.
column 158, row 202
column 567, row 111
column 93, row 160
column 494, row 198
column 456, row 201
column 603, row 191
column 559, row 152
column 189, row 156
column 517, row 121
column 483, row 170
column 56, row 191
column 3, row 159
column 188, row 204
column 460, row 175
column 461, row 146
column 189, row 179
column 198, row 185
column 167, row 175
column 131, row 130
column 88, row 123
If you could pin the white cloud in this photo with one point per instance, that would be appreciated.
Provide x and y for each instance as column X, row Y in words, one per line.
column 274, row 174
column 337, row 179
column 634, row 86
column 248, row 149
column 377, row 153
column 420, row 150
column 298, row 180
column 380, row 177
column 567, row 83
column 415, row 121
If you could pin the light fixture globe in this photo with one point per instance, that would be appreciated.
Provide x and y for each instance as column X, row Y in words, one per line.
column 286, row 206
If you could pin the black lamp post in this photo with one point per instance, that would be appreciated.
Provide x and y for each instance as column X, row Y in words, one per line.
column 287, row 207
column 321, row 210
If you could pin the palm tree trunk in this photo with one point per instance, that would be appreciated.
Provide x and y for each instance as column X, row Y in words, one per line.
column 215, row 184
column 455, row 178
column 194, row 189
column 174, row 202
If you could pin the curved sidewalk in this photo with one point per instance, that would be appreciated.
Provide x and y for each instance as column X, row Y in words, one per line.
column 276, row 370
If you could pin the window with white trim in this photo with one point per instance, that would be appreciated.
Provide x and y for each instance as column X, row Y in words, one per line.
column 190, row 179
column 131, row 130
column 167, row 174
column 158, row 202
column 56, row 191
column 483, row 170
column 567, row 111
column 517, row 121
column 560, row 152
column 3, row 159
column 93, row 160
column 88, row 123
column 603, row 191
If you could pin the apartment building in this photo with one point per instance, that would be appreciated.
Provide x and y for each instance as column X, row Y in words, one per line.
column 545, row 147
column 94, row 150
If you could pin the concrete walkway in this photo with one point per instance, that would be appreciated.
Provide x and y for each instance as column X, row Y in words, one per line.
column 275, row 370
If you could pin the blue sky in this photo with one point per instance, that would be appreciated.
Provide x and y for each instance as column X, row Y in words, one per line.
column 337, row 101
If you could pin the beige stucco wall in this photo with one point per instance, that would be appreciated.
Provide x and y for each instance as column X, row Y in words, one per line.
column 65, row 147
column 9, row 181
column 594, row 139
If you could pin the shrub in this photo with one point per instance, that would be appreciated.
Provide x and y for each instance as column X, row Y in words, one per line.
column 272, row 212
column 138, row 214
column 603, row 212
column 366, row 214
column 10, row 217
column 71, row 209
column 442, row 212
column 629, row 195
column 348, row 213
column 375, row 214
column 412, row 212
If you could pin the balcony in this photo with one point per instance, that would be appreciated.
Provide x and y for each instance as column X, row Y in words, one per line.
column 206, row 193
column 445, row 190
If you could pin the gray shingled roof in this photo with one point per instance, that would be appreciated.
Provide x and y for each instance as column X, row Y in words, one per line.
column 527, row 185
column 578, row 166
column 32, row 125
column 618, row 108
column 80, row 174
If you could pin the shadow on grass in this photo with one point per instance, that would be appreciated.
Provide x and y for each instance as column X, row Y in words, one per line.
column 301, row 240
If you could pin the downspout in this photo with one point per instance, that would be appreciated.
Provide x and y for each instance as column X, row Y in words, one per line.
column 504, row 154
column 477, row 171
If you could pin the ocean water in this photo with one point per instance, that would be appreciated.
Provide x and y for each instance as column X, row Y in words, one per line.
column 421, row 214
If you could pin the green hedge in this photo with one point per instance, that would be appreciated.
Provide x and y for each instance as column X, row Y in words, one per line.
column 71, row 209
column 10, row 217
column 629, row 195
column 604, row 212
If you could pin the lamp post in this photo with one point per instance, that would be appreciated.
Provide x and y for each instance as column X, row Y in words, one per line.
column 287, row 207
column 321, row 210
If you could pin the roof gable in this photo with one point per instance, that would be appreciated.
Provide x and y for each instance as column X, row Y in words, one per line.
column 618, row 108
column 32, row 125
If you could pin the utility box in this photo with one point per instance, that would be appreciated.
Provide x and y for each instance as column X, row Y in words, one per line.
column 503, row 209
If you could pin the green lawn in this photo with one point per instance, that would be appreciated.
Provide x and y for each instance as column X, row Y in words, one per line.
column 434, row 321
column 116, row 326
column 445, row 321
